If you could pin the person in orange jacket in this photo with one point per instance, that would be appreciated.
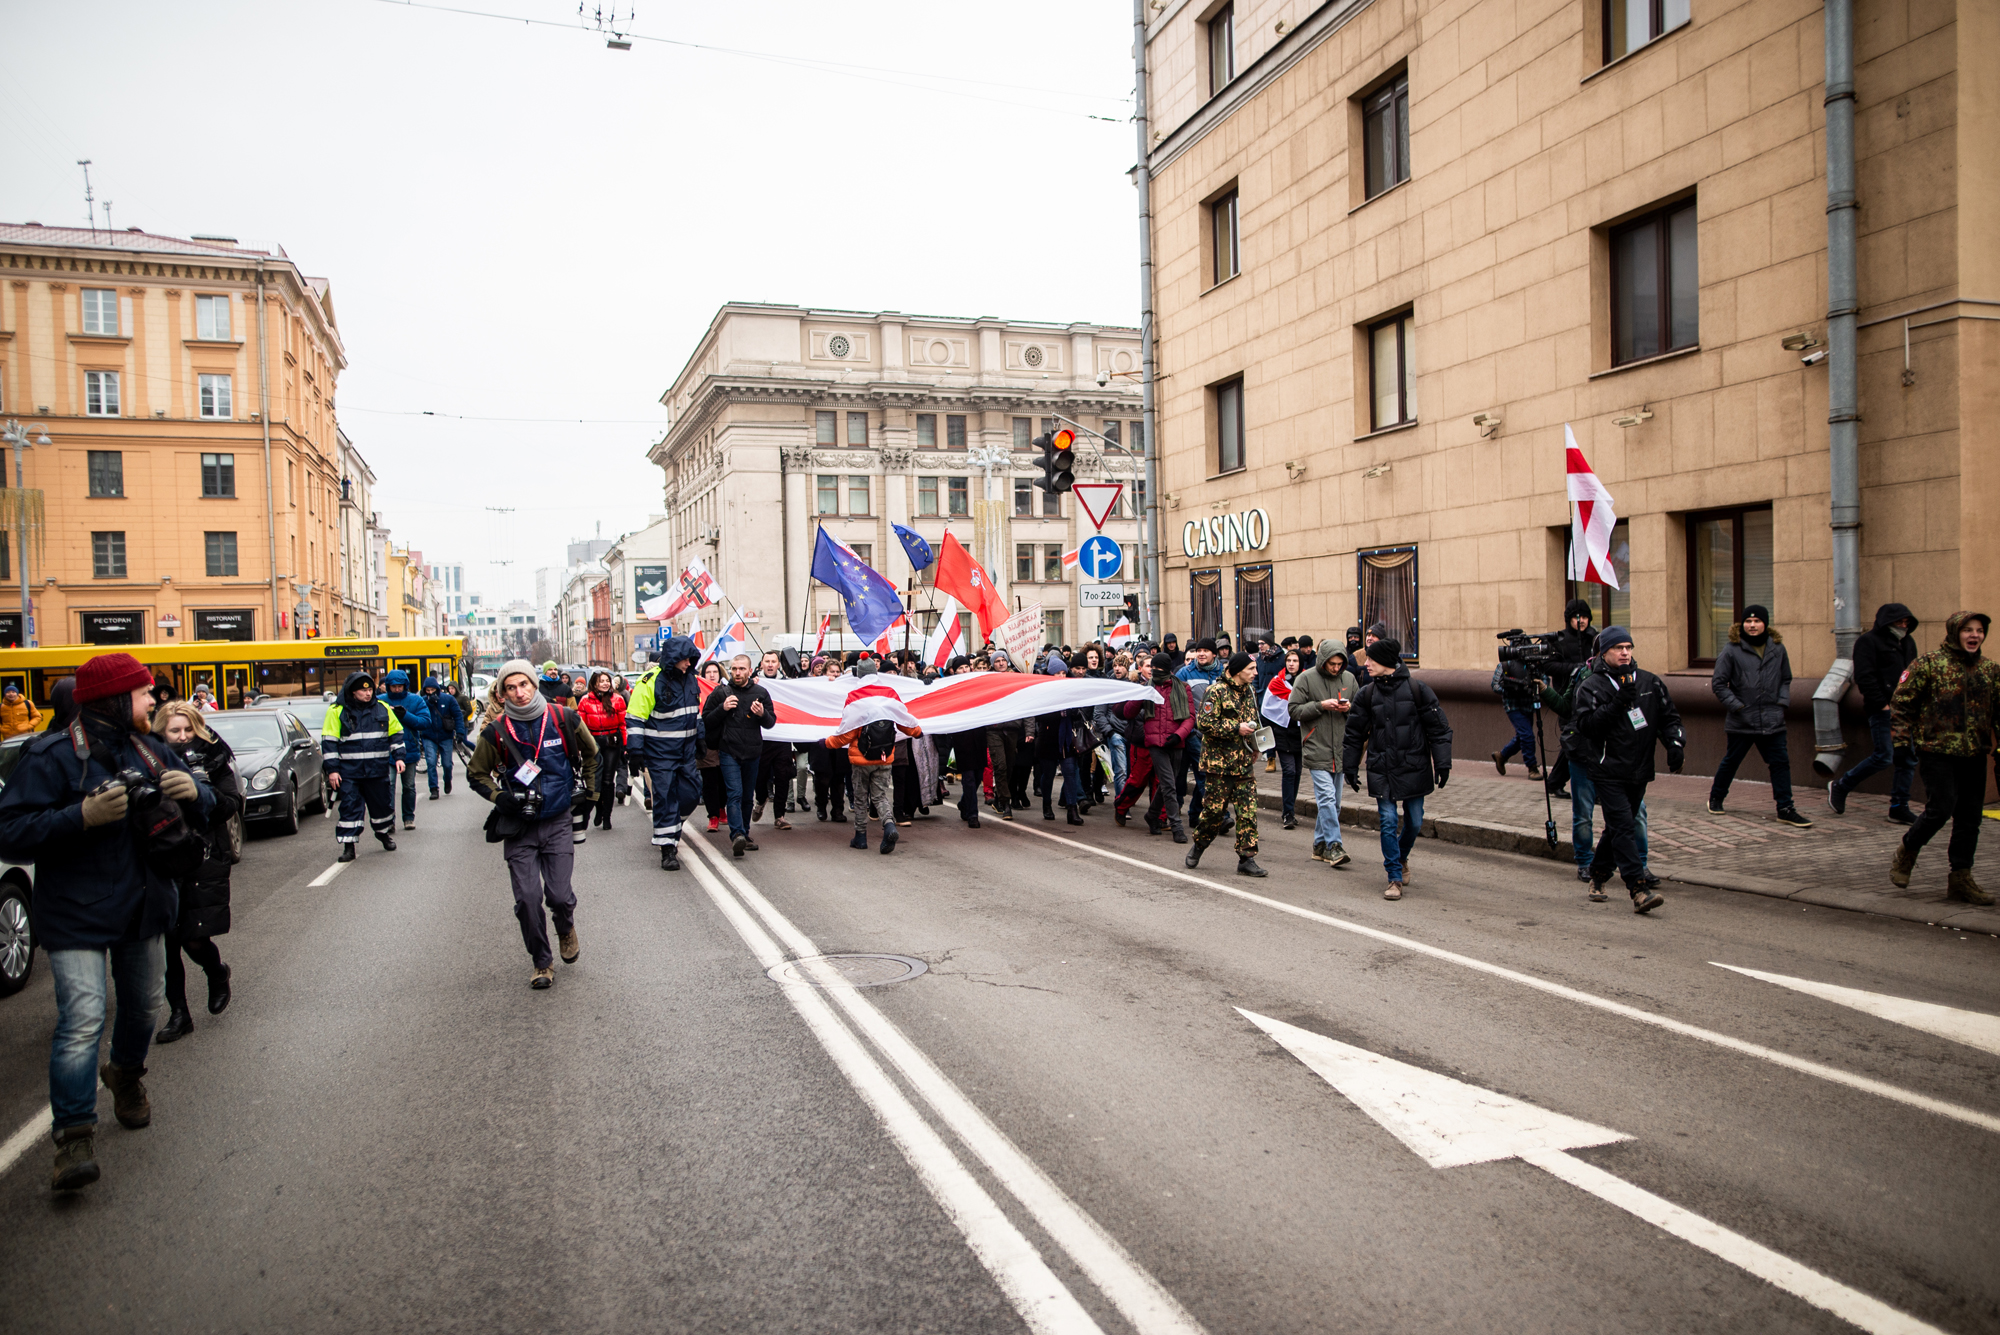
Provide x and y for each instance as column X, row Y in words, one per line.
column 871, row 750
column 17, row 713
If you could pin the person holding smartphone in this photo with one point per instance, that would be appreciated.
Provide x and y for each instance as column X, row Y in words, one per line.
column 1322, row 697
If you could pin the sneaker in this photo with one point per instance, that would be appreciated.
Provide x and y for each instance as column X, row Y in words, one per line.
column 1319, row 850
column 434, row 797
column 409, row 825
column 1900, row 816
column 567, row 942
column 1648, row 881
column 1790, row 816
column 1289, row 823
column 1645, row 901
column 76, row 1158
column 1836, row 799
column 714, row 824
column 781, row 824
column 737, row 844
column 1534, row 770
column 542, row 979
column 750, row 843
column 1336, row 856
column 860, row 839
column 1714, row 807
column 1597, row 895
column 1583, row 873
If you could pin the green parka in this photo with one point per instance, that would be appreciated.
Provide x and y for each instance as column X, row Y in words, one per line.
column 1948, row 699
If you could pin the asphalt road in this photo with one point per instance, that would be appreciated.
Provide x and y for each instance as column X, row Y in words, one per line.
column 1067, row 1123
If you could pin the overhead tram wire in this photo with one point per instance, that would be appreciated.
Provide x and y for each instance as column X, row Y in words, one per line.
column 462, row 417
column 870, row 73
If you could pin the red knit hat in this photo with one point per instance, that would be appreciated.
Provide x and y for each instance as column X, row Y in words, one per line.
column 110, row 674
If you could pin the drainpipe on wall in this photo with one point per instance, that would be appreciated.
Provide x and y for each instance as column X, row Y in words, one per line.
column 264, row 419
column 1842, row 395
column 1149, row 532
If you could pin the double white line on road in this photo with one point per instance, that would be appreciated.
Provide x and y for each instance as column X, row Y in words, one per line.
column 1044, row 1302
column 1866, row 1084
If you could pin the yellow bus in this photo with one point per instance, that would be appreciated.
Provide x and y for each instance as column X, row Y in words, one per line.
column 239, row 672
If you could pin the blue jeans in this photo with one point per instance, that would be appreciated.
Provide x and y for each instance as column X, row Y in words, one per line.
column 1326, row 796
column 1119, row 765
column 1883, row 756
column 139, row 971
column 739, row 781
column 1582, row 807
column 437, row 759
column 1524, row 737
column 1398, row 838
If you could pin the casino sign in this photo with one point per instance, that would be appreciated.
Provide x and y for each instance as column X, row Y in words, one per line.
column 1244, row 531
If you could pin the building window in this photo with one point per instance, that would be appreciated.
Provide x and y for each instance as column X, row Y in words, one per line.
column 1229, row 426
column 1221, row 49
column 825, row 427
column 857, row 428
column 1608, row 606
column 959, row 495
column 1630, row 24
column 865, row 551
column 1052, row 567
column 1392, row 373
column 1112, row 431
column 1024, row 433
column 1256, row 606
column 1052, row 627
column 1729, row 567
column 1024, row 498
column 1205, row 604
column 927, row 495
column 107, row 473
column 857, row 496
column 107, row 555
column 221, row 554
column 954, row 431
column 1024, row 562
column 1386, row 582
column 100, row 310
column 829, row 494
column 1225, row 257
column 927, row 430
column 215, row 396
column 218, row 475
column 211, row 317
column 1385, row 135
column 6, row 560
column 1654, row 285
column 100, row 393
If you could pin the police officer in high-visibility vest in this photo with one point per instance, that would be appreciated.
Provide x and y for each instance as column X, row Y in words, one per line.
column 660, row 720
column 361, row 749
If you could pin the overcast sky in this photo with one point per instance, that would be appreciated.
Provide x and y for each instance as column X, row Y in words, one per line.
column 518, row 222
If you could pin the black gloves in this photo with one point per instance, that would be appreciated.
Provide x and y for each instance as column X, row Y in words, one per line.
column 1354, row 781
column 1175, row 741
column 1628, row 691
column 1675, row 759
column 1444, row 776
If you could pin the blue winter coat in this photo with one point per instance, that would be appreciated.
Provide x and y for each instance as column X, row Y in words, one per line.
column 447, row 720
column 93, row 888
column 666, row 707
column 409, row 706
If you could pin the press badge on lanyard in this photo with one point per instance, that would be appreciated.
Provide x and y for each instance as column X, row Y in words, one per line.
column 529, row 769
column 1637, row 716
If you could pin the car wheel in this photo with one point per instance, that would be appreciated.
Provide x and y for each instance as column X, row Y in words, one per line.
column 289, row 822
column 318, row 804
column 17, row 938
column 236, row 839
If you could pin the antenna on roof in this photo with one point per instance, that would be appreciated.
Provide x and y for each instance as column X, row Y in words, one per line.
column 89, row 204
column 107, row 216
column 607, row 23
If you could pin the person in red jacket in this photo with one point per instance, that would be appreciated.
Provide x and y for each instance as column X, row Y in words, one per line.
column 603, row 711
column 1162, row 759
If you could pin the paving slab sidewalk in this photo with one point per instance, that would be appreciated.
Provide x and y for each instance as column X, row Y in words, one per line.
column 1842, row 862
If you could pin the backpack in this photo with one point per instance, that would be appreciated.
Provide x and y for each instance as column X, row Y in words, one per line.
column 877, row 739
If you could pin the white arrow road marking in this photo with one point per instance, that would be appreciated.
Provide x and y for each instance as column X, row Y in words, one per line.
column 1975, row 1029
column 1449, row 1122
column 1867, row 1084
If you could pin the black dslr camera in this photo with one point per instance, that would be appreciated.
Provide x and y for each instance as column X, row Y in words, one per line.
column 142, row 795
column 1534, row 652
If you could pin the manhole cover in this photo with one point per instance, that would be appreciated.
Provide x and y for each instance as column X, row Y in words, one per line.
column 854, row 970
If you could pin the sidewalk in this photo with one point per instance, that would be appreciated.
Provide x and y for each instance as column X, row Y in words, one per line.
column 1842, row 862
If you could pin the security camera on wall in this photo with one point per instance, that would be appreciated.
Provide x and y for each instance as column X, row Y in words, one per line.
column 1813, row 358
column 1103, row 378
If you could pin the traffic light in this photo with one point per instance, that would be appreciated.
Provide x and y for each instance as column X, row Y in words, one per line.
column 1058, row 460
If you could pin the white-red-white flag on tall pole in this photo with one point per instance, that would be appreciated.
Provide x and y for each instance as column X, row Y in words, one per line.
column 1592, row 519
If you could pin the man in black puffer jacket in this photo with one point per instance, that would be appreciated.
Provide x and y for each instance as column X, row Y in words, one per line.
column 1753, row 679
column 1621, row 713
column 1408, row 739
column 1574, row 643
column 1880, row 659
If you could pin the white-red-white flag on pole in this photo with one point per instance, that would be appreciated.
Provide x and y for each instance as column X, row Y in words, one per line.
column 1592, row 519
column 943, row 642
column 820, row 644
column 1119, row 635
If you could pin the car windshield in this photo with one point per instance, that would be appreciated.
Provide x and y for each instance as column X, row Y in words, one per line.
column 249, row 730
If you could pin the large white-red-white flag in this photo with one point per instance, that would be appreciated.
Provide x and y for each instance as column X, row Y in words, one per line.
column 812, row 708
column 1592, row 519
column 1119, row 635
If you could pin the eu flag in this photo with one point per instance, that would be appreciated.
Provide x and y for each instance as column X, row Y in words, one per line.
column 873, row 604
column 914, row 546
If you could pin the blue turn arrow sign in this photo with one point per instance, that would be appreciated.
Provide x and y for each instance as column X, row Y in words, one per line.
column 1100, row 557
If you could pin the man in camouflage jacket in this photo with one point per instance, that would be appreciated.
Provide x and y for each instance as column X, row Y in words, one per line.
column 1945, row 709
column 1228, row 725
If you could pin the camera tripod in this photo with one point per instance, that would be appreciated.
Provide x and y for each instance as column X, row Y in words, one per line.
column 1548, row 798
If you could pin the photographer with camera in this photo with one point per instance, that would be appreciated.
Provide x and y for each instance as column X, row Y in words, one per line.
column 1622, row 712
column 1514, row 683
column 533, row 764
column 109, row 817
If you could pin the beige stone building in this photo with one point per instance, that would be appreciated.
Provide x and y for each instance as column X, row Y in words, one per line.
column 1400, row 244
column 787, row 419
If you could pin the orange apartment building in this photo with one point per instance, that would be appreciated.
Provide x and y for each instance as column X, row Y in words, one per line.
column 144, row 359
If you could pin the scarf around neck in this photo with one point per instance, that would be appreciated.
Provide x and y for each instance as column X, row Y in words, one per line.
column 527, row 713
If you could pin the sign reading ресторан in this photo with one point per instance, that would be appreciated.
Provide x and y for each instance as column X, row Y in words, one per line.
column 1244, row 531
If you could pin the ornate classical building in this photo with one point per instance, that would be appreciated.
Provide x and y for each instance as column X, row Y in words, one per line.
column 786, row 420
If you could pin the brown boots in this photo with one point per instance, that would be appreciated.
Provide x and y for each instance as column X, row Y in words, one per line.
column 76, row 1158
column 128, row 1095
column 1899, row 870
column 1962, row 887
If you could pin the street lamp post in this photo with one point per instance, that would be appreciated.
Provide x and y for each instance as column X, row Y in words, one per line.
column 18, row 436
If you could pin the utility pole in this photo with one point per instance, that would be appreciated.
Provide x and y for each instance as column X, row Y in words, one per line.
column 22, row 439
column 1142, row 178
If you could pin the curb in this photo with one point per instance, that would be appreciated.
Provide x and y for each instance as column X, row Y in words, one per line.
column 1491, row 837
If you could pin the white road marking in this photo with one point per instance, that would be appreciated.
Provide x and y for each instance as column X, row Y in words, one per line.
column 1866, row 1084
column 327, row 875
column 1139, row 1298
column 1035, row 1291
column 1450, row 1123
column 1975, row 1029
column 18, row 1144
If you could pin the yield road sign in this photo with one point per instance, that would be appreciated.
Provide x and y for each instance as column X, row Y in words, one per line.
column 1100, row 557
column 1098, row 499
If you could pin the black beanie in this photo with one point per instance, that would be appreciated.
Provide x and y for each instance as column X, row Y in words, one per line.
column 1386, row 652
column 1237, row 662
column 1758, row 610
column 1163, row 662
